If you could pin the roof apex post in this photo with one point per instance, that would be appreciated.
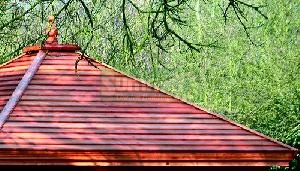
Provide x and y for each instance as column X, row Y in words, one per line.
column 51, row 43
column 52, row 31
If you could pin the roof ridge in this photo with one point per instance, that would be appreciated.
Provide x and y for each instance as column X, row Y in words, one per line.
column 21, row 87
column 198, row 107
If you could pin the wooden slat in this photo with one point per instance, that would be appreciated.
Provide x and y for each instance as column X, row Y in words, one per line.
column 7, row 88
column 18, row 64
column 27, row 59
column 91, row 88
column 70, row 57
column 106, row 104
column 115, row 120
column 136, row 142
column 99, row 137
column 148, row 156
column 13, row 73
column 127, row 131
column 71, row 67
column 15, row 68
column 59, row 82
column 71, row 98
column 5, row 92
column 95, row 94
column 53, row 54
column 66, row 162
column 143, row 147
column 72, row 73
column 67, row 62
column 110, row 115
column 16, row 60
column 120, row 78
column 2, row 103
column 106, row 109
column 3, row 98
column 10, row 78
column 120, row 125
column 9, row 83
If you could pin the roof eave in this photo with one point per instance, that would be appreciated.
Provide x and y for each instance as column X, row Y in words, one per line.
column 145, row 158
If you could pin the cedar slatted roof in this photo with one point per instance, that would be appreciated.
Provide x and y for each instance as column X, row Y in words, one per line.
column 105, row 117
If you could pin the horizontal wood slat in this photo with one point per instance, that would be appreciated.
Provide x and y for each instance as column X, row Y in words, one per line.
column 108, row 141
column 66, row 162
column 107, row 109
column 18, row 61
column 71, row 98
column 80, row 73
column 68, row 62
column 53, row 54
column 4, row 98
column 101, row 83
column 94, row 78
column 58, row 82
column 199, row 115
column 5, row 92
column 137, row 131
column 13, row 73
column 3, row 79
column 90, row 88
column 91, row 93
column 9, row 83
column 15, row 68
column 107, row 104
column 143, row 147
column 99, row 137
column 115, row 120
column 87, row 68
column 120, row 125
column 149, row 156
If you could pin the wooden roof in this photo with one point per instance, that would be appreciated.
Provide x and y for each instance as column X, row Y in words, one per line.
column 108, row 118
column 105, row 117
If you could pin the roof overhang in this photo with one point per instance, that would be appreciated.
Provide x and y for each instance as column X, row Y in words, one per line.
column 143, row 158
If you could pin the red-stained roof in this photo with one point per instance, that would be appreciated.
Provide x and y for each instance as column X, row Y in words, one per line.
column 10, row 75
column 105, row 117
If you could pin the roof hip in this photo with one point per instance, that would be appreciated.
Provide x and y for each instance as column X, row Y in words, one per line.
column 18, row 92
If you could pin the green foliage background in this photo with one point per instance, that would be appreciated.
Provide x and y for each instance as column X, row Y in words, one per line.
column 255, row 85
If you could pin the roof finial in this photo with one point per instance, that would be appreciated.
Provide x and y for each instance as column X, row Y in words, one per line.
column 52, row 31
column 51, row 43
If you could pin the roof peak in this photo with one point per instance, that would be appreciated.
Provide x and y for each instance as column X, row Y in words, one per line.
column 51, row 43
